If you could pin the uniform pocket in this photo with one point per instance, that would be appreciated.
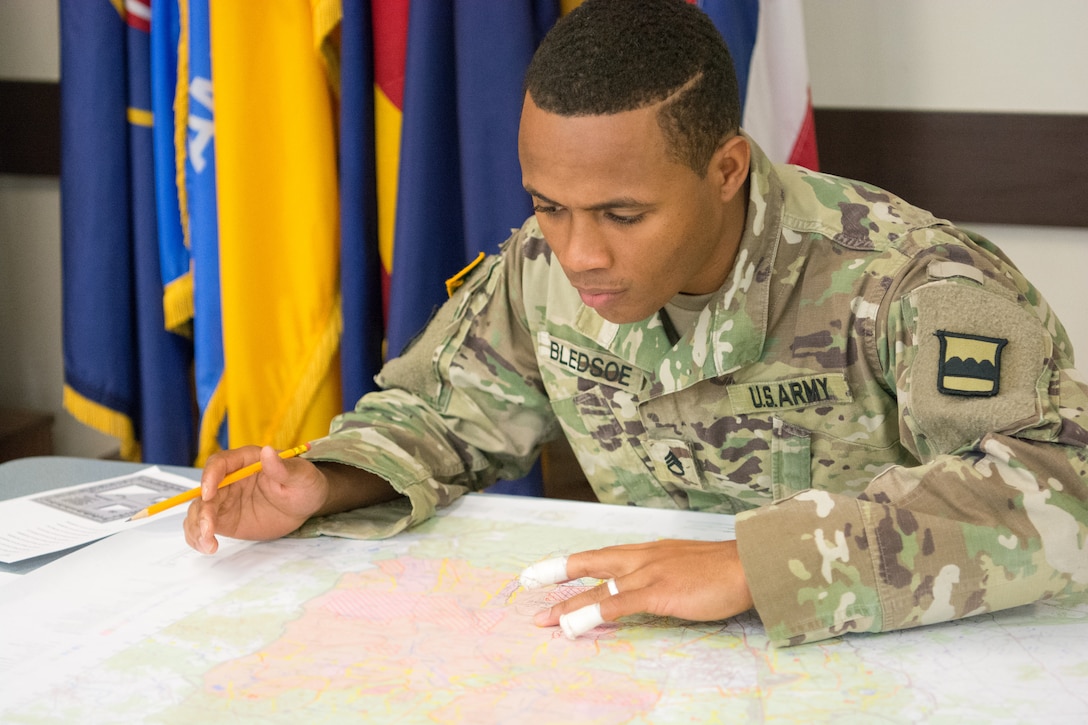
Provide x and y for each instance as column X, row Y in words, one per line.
column 791, row 459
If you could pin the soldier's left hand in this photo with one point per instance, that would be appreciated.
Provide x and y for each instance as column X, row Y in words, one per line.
column 694, row 580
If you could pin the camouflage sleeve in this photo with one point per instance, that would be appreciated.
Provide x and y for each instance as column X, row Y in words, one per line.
column 994, row 515
column 462, row 407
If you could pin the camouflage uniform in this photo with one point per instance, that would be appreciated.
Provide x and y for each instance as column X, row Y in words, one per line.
column 886, row 403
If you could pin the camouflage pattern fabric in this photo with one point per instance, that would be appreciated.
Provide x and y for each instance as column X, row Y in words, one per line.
column 887, row 404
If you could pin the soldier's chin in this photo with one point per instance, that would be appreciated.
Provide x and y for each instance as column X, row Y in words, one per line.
column 623, row 318
column 610, row 306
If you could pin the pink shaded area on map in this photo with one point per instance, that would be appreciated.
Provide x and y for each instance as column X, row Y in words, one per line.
column 442, row 631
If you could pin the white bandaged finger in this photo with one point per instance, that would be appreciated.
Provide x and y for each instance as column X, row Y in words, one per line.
column 543, row 573
column 612, row 588
column 580, row 621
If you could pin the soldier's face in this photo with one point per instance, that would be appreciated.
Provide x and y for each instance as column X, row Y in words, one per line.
column 630, row 226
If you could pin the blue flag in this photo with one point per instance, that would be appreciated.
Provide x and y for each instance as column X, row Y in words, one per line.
column 174, row 259
column 200, row 188
column 360, row 265
column 460, row 182
column 125, row 375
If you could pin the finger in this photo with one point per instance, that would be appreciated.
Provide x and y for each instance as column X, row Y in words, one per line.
column 208, row 543
column 543, row 573
column 609, row 562
column 598, row 563
column 199, row 528
column 553, row 615
column 190, row 526
column 223, row 463
column 272, row 465
column 576, row 623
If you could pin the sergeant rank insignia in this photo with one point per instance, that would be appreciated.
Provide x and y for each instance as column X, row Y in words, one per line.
column 969, row 364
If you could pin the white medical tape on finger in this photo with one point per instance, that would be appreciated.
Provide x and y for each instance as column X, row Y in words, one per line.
column 582, row 620
column 612, row 588
column 549, row 571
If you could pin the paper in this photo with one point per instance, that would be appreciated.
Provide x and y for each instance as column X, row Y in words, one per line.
column 43, row 523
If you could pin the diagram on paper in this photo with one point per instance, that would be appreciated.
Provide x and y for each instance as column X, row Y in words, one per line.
column 114, row 500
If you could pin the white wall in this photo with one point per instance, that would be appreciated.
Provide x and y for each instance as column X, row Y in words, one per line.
column 949, row 55
column 29, row 40
column 981, row 55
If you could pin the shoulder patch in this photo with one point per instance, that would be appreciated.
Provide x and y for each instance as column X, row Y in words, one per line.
column 977, row 365
column 459, row 279
column 969, row 364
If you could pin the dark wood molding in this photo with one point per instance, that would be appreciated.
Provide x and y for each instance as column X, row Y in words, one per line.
column 998, row 168
column 969, row 167
column 29, row 128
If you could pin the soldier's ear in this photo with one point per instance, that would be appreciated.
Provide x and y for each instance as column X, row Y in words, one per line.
column 729, row 166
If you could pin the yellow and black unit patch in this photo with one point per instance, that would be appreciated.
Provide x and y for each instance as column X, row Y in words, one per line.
column 969, row 364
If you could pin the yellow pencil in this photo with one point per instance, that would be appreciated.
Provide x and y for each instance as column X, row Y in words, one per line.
column 228, row 480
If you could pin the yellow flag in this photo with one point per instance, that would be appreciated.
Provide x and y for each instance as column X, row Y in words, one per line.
column 278, row 218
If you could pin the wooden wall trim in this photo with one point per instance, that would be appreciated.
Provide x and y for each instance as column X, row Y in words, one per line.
column 998, row 168
column 969, row 167
column 29, row 128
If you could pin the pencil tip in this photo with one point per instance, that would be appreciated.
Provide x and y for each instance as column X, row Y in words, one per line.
column 138, row 515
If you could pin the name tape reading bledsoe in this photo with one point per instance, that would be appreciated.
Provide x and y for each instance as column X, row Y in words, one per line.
column 594, row 364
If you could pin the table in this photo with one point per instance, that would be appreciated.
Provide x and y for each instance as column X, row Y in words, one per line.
column 430, row 626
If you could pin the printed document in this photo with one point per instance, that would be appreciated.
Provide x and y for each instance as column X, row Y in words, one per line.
column 59, row 519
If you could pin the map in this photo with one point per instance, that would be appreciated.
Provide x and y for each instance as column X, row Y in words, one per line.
column 430, row 626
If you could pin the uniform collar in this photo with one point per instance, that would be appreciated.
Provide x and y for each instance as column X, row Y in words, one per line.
column 731, row 331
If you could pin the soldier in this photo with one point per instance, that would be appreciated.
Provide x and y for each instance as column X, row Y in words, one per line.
column 887, row 405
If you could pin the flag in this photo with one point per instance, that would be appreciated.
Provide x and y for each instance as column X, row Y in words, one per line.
column 278, row 218
column 174, row 258
column 390, row 32
column 459, row 179
column 124, row 373
column 360, row 261
column 195, row 151
column 186, row 202
column 767, row 41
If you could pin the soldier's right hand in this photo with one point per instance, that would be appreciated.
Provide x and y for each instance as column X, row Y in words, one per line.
column 267, row 505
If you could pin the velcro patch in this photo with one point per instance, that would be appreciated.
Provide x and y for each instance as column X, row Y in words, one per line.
column 969, row 364
column 790, row 393
column 947, row 421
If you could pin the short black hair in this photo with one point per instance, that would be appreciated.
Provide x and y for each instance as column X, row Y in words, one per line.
column 609, row 56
